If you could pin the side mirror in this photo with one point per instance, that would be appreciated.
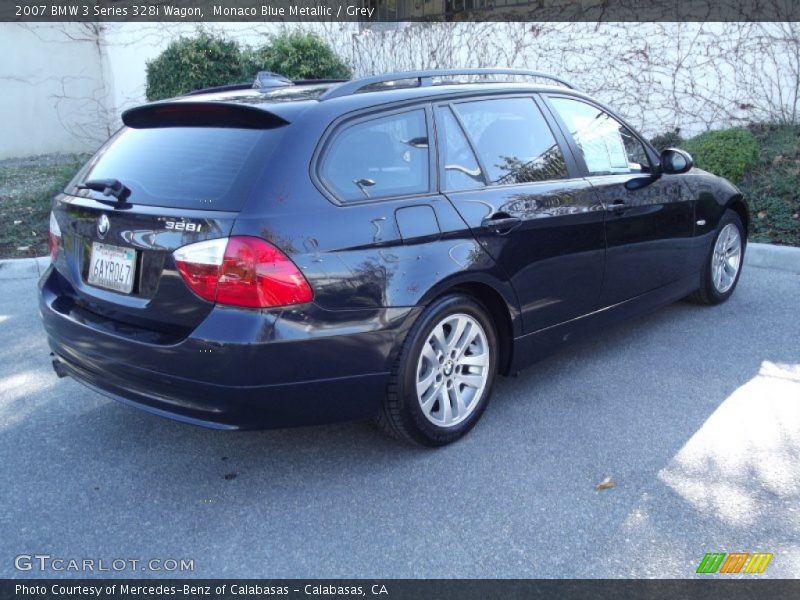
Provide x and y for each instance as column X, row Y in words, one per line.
column 675, row 161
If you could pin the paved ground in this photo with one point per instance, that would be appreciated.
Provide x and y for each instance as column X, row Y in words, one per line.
column 694, row 412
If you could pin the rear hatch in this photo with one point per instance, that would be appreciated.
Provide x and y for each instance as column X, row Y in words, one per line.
column 176, row 174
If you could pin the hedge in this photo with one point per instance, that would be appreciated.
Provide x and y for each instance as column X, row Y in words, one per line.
column 730, row 153
column 296, row 56
column 206, row 60
column 194, row 63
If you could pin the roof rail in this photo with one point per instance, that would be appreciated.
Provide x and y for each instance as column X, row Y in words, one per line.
column 425, row 78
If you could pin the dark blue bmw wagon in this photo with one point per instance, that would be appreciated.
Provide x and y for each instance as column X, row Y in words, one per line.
column 308, row 252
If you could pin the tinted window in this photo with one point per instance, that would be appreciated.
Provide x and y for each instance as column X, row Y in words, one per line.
column 608, row 147
column 461, row 169
column 386, row 156
column 185, row 167
column 513, row 140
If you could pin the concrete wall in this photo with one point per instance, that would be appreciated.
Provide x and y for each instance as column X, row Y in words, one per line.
column 52, row 85
column 64, row 85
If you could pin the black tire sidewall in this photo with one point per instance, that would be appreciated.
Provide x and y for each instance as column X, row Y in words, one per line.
column 414, row 420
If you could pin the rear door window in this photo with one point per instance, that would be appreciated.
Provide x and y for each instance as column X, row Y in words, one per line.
column 209, row 168
column 378, row 158
column 513, row 140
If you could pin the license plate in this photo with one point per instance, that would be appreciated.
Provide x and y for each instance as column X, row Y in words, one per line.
column 112, row 267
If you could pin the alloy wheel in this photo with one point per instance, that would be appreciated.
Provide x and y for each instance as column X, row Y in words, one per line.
column 727, row 258
column 453, row 370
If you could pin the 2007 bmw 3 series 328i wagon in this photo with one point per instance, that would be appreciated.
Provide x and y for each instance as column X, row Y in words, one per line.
column 309, row 252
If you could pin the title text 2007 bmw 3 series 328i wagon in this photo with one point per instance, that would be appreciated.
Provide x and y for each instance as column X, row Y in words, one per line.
column 299, row 253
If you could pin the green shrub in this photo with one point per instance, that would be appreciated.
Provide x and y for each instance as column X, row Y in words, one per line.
column 771, row 189
column 668, row 139
column 730, row 153
column 296, row 56
column 193, row 63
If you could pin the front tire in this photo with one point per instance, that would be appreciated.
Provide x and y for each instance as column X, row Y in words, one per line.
column 443, row 378
column 723, row 266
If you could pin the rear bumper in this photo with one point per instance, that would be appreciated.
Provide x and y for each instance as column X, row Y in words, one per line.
column 239, row 369
column 228, row 407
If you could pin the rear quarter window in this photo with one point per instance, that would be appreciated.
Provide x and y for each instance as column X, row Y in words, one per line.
column 210, row 168
column 378, row 158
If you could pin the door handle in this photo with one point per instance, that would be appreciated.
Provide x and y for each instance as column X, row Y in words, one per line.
column 500, row 224
column 617, row 206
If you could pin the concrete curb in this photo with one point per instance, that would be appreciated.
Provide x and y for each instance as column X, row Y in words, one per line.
column 764, row 256
column 23, row 268
column 767, row 256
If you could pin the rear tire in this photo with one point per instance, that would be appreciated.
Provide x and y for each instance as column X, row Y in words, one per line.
column 723, row 265
column 443, row 377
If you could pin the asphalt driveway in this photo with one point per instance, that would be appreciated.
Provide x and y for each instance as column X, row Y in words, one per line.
column 694, row 413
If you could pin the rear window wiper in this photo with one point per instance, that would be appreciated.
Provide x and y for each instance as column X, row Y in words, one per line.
column 108, row 187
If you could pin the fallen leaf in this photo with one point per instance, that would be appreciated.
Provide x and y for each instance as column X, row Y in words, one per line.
column 762, row 214
column 606, row 484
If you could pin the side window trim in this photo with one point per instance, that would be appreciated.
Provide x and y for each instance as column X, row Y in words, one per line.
column 573, row 145
column 575, row 165
column 434, row 178
column 344, row 121
column 575, row 151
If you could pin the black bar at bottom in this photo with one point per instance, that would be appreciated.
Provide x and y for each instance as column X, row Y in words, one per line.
column 399, row 589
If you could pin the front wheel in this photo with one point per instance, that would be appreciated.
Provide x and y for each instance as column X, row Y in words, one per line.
column 724, row 265
column 443, row 377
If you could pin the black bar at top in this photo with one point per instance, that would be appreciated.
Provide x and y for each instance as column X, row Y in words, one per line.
column 375, row 11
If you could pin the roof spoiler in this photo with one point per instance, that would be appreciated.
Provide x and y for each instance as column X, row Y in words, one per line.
column 200, row 114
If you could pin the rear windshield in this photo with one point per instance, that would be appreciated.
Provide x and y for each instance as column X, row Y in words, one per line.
column 209, row 168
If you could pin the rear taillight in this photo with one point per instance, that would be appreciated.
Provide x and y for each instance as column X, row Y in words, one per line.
column 54, row 239
column 242, row 271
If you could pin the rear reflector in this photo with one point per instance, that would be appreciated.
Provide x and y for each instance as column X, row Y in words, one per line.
column 242, row 271
column 54, row 239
